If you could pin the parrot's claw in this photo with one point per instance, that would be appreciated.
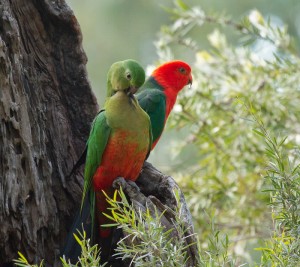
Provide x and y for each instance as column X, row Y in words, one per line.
column 133, row 184
column 119, row 182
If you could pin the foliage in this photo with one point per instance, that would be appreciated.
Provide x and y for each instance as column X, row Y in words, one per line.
column 260, row 67
column 23, row 262
column 147, row 243
column 283, row 173
column 217, row 251
column 90, row 255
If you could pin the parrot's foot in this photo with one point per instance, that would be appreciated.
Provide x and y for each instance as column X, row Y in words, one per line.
column 119, row 182
column 134, row 185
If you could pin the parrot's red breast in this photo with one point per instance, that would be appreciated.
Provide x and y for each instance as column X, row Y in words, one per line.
column 122, row 158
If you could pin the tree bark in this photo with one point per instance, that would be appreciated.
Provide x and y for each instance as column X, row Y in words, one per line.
column 46, row 106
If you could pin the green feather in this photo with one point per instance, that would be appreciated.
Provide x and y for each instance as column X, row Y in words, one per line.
column 153, row 101
column 96, row 144
column 99, row 135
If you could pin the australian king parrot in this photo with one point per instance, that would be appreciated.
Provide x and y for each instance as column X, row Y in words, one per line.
column 119, row 142
column 158, row 94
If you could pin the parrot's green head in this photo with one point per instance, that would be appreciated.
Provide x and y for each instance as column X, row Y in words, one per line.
column 127, row 75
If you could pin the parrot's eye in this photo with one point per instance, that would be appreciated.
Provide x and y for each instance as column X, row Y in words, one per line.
column 128, row 76
column 182, row 70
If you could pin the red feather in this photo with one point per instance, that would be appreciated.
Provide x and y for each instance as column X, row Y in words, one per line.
column 172, row 76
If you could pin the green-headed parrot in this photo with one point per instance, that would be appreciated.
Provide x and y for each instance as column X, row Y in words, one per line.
column 120, row 138
column 119, row 142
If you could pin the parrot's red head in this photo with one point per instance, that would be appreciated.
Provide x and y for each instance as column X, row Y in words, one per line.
column 173, row 75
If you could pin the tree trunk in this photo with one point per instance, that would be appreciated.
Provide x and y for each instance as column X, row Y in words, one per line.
column 46, row 106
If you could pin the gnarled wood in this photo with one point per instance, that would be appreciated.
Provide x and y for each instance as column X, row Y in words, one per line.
column 156, row 191
column 46, row 106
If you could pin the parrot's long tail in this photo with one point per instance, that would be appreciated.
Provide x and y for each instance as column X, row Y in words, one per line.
column 82, row 221
column 106, row 238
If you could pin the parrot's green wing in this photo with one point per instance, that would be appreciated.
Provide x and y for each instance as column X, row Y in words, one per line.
column 153, row 101
column 99, row 135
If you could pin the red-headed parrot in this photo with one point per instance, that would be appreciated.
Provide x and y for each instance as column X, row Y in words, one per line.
column 158, row 95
